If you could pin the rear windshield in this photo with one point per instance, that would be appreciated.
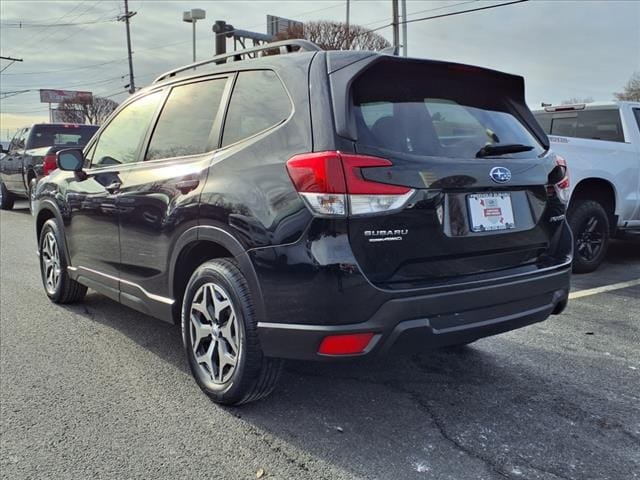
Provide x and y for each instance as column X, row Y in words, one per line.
column 61, row 135
column 435, row 111
column 600, row 124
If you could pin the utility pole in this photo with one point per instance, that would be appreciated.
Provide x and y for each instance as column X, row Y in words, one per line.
column 127, row 15
column 348, row 21
column 404, row 28
column 12, row 61
column 395, row 23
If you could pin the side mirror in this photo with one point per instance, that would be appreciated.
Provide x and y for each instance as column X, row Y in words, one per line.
column 70, row 160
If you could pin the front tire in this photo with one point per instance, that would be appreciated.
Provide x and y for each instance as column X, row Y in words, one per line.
column 220, row 336
column 58, row 285
column 589, row 223
column 6, row 198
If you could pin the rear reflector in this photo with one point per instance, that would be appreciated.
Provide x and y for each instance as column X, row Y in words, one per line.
column 349, row 344
column 49, row 164
column 332, row 183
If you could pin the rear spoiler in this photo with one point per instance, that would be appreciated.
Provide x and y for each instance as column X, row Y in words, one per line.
column 510, row 87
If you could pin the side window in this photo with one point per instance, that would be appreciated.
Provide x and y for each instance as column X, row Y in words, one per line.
column 120, row 140
column 14, row 141
column 591, row 124
column 259, row 101
column 636, row 113
column 186, row 120
column 19, row 139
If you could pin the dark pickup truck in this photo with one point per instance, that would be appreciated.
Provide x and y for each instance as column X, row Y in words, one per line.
column 32, row 155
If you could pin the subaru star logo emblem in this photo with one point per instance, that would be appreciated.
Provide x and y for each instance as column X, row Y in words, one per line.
column 500, row 174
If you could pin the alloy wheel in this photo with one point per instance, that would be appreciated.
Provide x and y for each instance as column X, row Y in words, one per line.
column 51, row 263
column 214, row 331
column 590, row 240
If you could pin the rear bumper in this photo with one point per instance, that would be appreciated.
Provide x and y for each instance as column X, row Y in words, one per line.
column 423, row 322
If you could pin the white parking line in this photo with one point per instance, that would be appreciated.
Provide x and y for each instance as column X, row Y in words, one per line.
column 605, row 288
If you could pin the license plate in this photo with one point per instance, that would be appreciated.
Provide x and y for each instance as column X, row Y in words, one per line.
column 490, row 212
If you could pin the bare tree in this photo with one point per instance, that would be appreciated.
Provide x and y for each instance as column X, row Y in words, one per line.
column 631, row 91
column 574, row 100
column 94, row 112
column 335, row 36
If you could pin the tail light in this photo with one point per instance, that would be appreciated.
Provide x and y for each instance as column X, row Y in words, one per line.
column 49, row 164
column 332, row 184
column 561, row 188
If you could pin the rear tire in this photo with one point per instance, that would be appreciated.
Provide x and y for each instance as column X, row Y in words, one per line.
column 58, row 285
column 220, row 336
column 589, row 223
column 6, row 198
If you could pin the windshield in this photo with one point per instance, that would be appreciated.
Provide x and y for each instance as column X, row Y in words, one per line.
column 436, row 112
column 62, row 135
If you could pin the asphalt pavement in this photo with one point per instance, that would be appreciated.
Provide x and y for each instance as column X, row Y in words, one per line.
column 99, row 391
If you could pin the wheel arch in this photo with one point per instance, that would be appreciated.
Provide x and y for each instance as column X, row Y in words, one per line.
column 600, row 190
column 47, row 211
column 31, row 174
column 203, row 243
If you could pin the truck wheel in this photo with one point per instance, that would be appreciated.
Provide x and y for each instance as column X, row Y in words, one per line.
column 59, row 287
column 6, row 198
column 220, row 336
column 589, row 223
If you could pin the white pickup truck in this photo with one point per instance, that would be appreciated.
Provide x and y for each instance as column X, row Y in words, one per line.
column 601, row 145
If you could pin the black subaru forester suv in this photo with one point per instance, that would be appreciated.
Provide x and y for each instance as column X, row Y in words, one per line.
column 313, row 205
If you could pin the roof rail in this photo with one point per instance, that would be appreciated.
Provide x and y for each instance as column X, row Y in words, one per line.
column 285, row 46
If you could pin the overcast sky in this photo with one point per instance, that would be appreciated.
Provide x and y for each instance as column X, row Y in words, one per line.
column 563, row 49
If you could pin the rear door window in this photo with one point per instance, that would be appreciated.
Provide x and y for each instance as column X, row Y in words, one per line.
column 70, row 135
column 590, row 124
column 259, row 101
column 185, row 126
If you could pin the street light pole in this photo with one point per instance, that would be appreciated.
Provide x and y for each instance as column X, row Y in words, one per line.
column 193, row 24
column 192, row 17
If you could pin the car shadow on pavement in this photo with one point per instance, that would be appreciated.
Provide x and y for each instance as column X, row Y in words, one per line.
column 160, row 338
column 483, row 411
column 451, row 412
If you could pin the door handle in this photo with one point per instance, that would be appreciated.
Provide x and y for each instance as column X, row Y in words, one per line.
column 114, row 187
column 185, row 186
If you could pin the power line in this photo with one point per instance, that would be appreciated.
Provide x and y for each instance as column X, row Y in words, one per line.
column 37, row 38
column 80, row 84
column 56, row 25
column 442, row 7
column 460, row 12
column 51, row 32
column 69, row 69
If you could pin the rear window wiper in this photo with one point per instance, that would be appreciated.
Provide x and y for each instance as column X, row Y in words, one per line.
column 490, row 150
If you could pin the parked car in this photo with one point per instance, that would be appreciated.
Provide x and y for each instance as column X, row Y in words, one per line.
column 32, row 154
column 313, row 205
column 601, row 143
column 4, row 148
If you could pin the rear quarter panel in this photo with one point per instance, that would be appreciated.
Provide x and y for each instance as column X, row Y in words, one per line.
column 616, row 162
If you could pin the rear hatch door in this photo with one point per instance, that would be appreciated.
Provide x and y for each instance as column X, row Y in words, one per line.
column 463, row 139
